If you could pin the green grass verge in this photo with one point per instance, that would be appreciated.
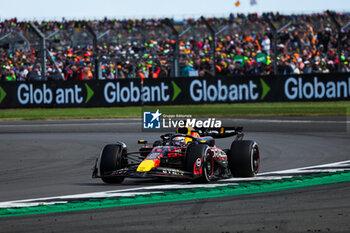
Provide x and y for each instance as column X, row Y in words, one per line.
column 341, row 108
column 186, row 194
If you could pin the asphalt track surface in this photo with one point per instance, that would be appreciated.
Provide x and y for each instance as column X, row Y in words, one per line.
column 52, row 158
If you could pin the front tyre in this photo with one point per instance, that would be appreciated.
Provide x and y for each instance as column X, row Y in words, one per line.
column 199, row 159
column 244, row 158
column 111, row 159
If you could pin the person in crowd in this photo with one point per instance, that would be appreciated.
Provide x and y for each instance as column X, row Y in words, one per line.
column 307, row 68
column 186, row 69
column 266, row 44
column 10, row 76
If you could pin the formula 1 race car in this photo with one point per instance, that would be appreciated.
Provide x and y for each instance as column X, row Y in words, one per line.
column 190, row 153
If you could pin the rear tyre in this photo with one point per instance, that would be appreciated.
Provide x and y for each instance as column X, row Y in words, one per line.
column 111, row 159
column 244, row 158
column 196, row 153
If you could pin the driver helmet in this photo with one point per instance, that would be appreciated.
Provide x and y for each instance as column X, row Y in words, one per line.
column 188, row 130
column 179, row 141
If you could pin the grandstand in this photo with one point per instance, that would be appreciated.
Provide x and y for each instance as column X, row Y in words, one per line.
column 152, row 48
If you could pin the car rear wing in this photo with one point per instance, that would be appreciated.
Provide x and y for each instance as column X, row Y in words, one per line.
column 222, row 132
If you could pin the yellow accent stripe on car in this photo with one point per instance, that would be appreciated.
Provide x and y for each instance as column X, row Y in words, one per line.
column 145, row 166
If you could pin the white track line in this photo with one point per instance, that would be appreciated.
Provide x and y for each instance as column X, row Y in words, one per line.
column 306, row 169
column 161, row 188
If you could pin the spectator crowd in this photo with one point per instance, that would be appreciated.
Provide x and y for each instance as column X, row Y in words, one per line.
column 147, row 48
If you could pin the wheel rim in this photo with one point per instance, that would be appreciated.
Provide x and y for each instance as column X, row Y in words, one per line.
column 209, row 165
column 255, row 159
